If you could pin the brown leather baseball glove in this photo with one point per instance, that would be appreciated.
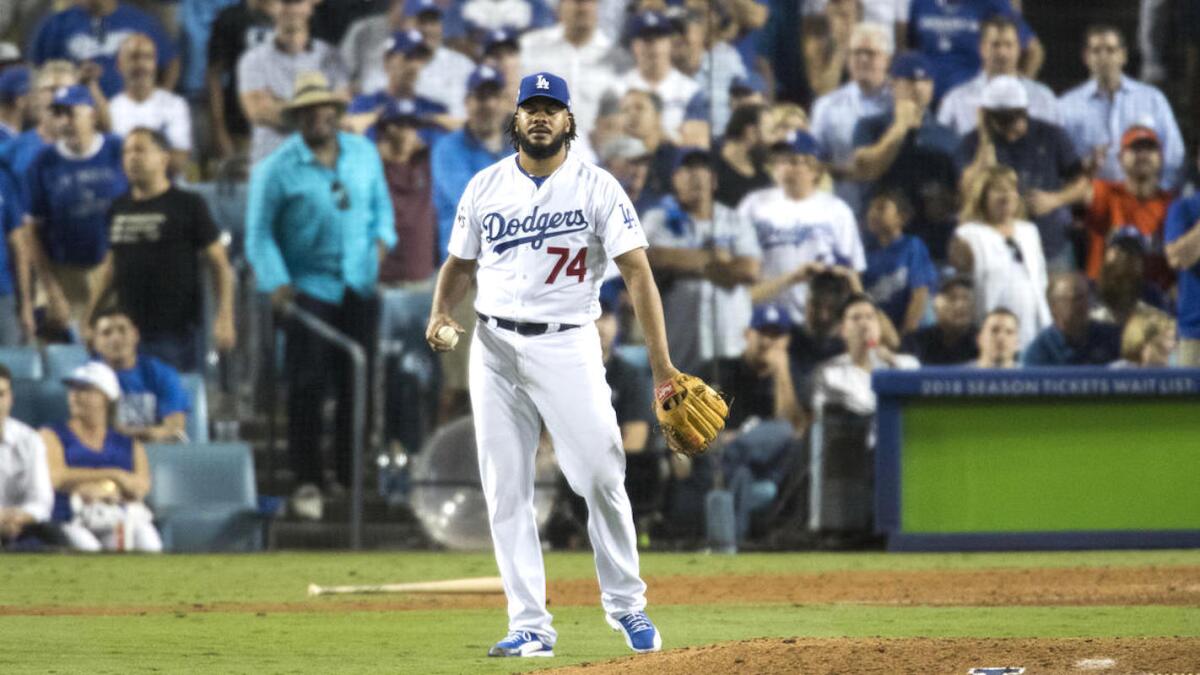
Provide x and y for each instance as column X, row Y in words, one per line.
column 690, row 412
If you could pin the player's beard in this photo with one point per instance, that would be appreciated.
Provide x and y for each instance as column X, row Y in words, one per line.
column 540, row 151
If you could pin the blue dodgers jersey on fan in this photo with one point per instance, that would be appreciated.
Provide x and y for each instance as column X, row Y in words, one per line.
column 72, row 197
column 1181, row 218
column 74, row 35
column 894, row 272
column 18, row 154
column 947, row 31
column 150, row 391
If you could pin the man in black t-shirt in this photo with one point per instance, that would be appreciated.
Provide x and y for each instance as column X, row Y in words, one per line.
column 236, row 29
column 951, row 340
column 158, row 233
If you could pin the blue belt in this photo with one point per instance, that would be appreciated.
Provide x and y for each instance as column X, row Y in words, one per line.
column 524, row 327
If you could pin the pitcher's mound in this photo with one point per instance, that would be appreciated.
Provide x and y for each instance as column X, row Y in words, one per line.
column 914, row 655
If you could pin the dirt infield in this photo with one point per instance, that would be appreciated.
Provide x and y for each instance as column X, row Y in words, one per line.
column 914, row 655
column 1152, row 585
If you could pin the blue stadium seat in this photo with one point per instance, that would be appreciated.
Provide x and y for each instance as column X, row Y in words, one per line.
column 23, row 362
column 39, row 402
column 197, row 422
column 203, row 497
column 61, row 359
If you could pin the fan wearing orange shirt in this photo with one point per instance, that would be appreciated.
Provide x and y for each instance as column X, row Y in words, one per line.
column 1135, row 202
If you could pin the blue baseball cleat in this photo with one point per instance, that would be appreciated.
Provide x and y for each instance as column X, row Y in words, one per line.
column 640, row 633
column 521, row 643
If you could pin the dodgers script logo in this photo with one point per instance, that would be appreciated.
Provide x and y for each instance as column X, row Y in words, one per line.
column 537, row 227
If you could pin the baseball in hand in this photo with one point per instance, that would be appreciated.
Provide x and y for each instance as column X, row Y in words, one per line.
column 447, row 336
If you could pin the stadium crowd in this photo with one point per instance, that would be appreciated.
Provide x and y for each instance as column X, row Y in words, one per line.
column 829, row 187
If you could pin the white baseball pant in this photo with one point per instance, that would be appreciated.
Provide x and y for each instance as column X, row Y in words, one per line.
column 516, row 382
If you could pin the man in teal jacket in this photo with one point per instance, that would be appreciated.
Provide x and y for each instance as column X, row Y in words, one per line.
column 318, row 222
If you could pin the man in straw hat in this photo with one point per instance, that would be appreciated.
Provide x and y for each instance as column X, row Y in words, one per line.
column 318, row 222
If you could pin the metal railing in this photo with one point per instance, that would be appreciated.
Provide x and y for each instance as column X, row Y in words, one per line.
column 358, row 361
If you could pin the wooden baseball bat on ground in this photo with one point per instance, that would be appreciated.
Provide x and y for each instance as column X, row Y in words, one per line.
column 472, row 585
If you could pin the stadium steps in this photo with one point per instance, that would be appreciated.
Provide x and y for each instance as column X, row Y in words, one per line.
column 384, row 526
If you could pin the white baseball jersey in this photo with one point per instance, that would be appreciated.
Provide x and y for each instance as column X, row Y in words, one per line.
column 542, row 251
column 792, row 233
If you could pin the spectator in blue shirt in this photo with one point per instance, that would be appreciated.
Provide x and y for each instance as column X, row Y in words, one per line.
column 318, row 222
column 93, row 30
column 154, row 406
column 405, row 58
column 900, row 276
column 14, row 101
column 459, row 155
column 72, row 185
column 906, row 149
column 1098, row 112
column 456, row 158
column 19, row 152
column 16, row 311
column 1073, row 339
column 1182, row 236
column 947, row 32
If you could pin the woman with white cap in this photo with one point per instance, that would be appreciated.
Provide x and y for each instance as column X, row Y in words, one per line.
column 100, row 476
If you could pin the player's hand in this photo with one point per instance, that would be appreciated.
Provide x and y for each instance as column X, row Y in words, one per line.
column 437, row 321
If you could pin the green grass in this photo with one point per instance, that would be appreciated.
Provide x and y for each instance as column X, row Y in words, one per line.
column 283, row 577
column 453, row 641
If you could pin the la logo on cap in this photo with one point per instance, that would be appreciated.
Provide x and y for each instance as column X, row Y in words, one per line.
column 542, row 83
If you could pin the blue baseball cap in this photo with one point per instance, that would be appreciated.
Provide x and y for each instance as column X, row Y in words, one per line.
column 498, row 37
column 651, row 24
column 544, row 84
column 800, row 143
column 912, row 66
column 400, row 110
column 407, row 42
column 72, row 96
column 14, row 82
column 415, row 7
column 483, row 76
column 770, row 317
column 687, row 154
